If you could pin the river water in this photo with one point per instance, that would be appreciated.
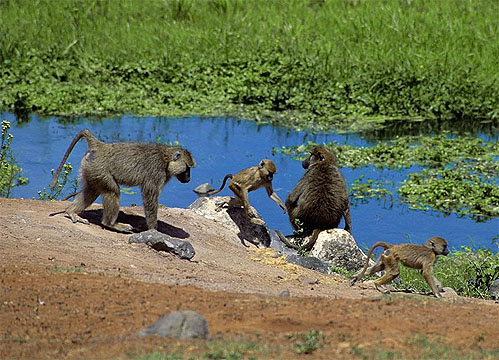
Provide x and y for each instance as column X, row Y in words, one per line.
column 227, row 145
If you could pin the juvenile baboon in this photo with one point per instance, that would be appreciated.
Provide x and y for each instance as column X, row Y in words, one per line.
column 105, row 166
column 421, row 257
column 248, row 180
column 320, row 199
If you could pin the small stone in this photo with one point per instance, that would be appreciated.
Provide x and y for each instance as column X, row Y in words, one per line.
column 285, row 293
column 180, row 324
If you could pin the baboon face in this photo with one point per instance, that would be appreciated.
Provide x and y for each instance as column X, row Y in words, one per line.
column 267, row 169
column 318, row 154
column 438, row 245
column 180, row 166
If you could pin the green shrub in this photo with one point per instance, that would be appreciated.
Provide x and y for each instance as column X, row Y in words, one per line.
column 10, row 173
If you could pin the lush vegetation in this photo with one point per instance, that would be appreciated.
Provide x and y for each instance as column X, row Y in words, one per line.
column 314, row 63
column 459, row 173
column 10, row 173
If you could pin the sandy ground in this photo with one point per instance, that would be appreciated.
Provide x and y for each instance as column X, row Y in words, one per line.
column 79, row 291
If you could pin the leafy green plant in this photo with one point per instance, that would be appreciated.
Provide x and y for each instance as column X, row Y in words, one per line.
column 306, row 343
column 63, row 180
column 10, row 173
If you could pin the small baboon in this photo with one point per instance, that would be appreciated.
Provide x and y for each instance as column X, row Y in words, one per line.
column 421, row 257
column 248, row 180
column 320, row 199
column 105, row 166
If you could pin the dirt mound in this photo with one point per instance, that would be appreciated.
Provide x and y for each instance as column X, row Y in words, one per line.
column 80, row 291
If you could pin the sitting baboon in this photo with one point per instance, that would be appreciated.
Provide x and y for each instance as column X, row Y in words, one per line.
column 105, row 166
column 320, row 199
column 421, row 257
column 248, row 180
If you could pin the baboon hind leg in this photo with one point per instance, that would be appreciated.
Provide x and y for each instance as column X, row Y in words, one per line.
column 242, row 196
column 391, row 272
column 348, row 220
column 83, row 200
column 111, row 204
column 312, row 241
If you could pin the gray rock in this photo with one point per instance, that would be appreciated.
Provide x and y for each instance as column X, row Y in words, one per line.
column 285, row 293
column 180, row 324
column 277, row 244
column 337, row 247
column 203, row 189
column 309, row 262
column 162, row 242
column 223, row 210
column 494, row 289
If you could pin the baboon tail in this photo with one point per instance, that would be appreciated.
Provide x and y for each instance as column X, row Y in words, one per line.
column 359, row 276
column 91, row 142
column 228, row 176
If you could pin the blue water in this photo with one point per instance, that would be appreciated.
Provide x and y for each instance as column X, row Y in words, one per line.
column 224, row 145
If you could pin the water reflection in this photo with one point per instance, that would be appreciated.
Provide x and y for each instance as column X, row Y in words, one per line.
column 487, row 129
column 221, row 146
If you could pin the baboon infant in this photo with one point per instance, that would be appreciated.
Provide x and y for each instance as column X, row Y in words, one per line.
column 320, row 199
column 105, row 166
column 248, row 180
column 421, row 257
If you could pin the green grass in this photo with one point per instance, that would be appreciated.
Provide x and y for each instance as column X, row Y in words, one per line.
column 315, row 63
column 214, row 350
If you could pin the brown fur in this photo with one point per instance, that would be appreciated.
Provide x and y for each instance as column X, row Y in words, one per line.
column 320, row 198
column 251, row 179
column 105, row 166
column 420, row 257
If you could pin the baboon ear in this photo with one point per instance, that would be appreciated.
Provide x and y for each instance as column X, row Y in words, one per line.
column 261, row 165
column 177, row 155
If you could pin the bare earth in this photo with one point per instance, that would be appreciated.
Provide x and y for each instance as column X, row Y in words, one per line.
column 76, row 291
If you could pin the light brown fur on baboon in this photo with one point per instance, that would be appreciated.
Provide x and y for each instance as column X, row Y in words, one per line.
column 251, row 179
column 421, row 257
column 105, row 166
column 319, row 200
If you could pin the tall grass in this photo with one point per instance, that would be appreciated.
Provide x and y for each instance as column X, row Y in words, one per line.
column 337, row 57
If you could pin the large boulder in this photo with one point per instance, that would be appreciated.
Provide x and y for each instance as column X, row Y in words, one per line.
column 180, row 324
column 337, row 247
column 222, row 210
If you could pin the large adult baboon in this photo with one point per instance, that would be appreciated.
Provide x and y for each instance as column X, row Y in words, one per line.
column 105, row 166
column 320, row 199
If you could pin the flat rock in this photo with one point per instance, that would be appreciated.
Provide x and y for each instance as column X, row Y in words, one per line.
column 162, row 242
column 180, row 325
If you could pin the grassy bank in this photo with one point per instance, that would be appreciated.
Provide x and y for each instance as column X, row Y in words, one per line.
column 310, row 63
